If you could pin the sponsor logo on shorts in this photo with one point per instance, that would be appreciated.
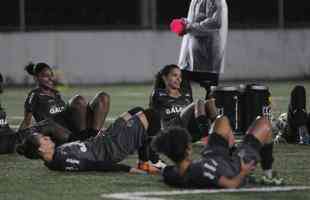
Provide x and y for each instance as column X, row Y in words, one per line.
column 208, row 175
column 214, row 162
column 72, row 161
column 210, row 167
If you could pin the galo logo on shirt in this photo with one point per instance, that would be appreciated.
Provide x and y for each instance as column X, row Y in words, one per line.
column 3, row 122
column 56, row 109
column 174, row 109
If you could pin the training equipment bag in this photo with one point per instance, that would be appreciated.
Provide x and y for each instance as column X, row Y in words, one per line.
column 7, row 135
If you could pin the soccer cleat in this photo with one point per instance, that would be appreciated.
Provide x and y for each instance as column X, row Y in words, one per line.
column 272, row 180
column 159, row 164
column 147, row 167
column 279, row 139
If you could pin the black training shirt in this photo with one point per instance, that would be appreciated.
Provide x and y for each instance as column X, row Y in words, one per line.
column 43, row 106
column 169, row 107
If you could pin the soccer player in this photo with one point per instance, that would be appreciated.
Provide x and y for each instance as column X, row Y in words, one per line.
column 126, row 135
column 175, row 104
column 204, row 34
column 296, row 130
column 45, row 102
column 217, row 167
column 7, row 135
column 175, row 107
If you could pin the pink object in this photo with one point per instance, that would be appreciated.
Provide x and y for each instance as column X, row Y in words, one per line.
column 178, row 26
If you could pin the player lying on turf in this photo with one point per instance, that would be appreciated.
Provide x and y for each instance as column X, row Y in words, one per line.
column 216, row 167
column 7, row 135
column 175, row 106
column 126, row 135
column 45, row 102
column 295, row 125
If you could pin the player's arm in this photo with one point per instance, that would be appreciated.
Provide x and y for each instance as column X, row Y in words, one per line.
column 212, row 20
column 155, row 99
column 236, row 181
column 30, row 104
column 26, row 123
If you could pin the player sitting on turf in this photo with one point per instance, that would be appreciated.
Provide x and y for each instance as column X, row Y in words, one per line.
column 216, row 167
column 175, row 107
column 294, row 126
column 45, row 102
column 126, row 135
column 7, row 135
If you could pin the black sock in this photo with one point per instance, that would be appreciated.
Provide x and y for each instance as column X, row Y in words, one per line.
column 153, row 119
column 266, row 154
column 143, row 152
column 203, row 124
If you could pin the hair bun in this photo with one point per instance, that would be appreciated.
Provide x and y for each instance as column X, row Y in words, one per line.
column 30, row 68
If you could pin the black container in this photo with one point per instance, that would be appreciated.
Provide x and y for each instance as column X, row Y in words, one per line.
column 227, row 100
column 255, row 101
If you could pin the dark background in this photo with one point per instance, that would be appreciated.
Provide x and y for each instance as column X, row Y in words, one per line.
column 126, row 14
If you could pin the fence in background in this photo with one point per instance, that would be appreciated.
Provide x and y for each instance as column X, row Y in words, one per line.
column 135, row 56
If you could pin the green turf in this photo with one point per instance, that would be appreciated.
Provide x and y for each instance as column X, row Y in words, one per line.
column 25, row 179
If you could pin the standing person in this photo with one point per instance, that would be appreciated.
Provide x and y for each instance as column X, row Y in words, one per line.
column 217, row 168
column 45, row 102
column 204, row 32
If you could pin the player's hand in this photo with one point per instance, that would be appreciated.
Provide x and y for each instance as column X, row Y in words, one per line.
column 247, row 168
column 178, row 26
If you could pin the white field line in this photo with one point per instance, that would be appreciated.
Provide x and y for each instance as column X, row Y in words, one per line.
column 150, row 195
column 280, row 98
column 131, row 94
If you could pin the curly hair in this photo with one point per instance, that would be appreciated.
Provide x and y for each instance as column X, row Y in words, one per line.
column 34, row 69
column 173, row 142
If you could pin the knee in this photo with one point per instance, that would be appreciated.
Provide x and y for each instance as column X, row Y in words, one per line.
column 261, row 127
column 222, row 127
column 78, row 101
column 262, row 123
column 103, row 97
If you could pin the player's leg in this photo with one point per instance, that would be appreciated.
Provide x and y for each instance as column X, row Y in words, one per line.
column 98, row 110
column 261, row 130
column 130, row 133
column 77, row 107
column 149, row 160
column 221, row 138
column 297, row 117
column 198, row 116
column 205, row 79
